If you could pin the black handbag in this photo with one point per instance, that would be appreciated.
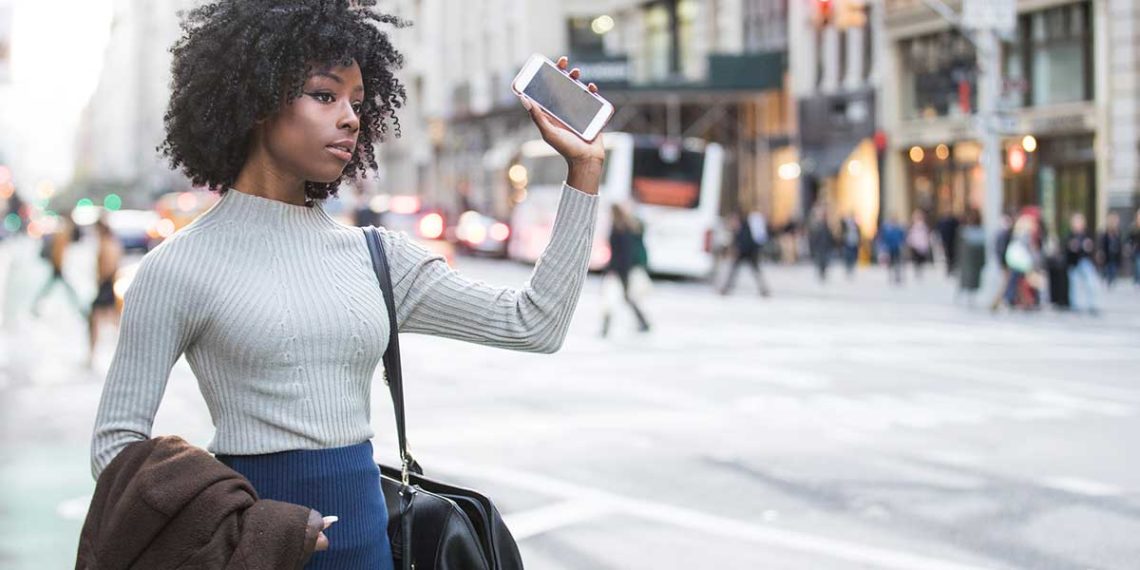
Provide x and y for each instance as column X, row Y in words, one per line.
column 432, row 525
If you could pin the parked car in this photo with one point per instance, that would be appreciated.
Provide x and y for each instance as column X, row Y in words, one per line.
column 428, row 226
column 481, row 234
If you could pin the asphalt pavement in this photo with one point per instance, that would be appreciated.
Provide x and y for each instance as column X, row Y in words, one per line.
column 850, row 424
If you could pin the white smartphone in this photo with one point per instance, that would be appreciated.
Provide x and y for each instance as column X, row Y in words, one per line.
column 567, row 100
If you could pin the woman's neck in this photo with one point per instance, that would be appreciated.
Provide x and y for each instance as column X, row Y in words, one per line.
column 260, row 177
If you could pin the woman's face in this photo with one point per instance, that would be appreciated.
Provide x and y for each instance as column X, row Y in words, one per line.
column 313, row 137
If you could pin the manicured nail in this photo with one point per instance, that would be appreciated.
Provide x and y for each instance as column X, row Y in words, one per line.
column 526, row 102
column 330, row 519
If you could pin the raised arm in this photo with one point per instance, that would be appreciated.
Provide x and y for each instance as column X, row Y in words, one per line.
column 155, row 330
column 432, row 298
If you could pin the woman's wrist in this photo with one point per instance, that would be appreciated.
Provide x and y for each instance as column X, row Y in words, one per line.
column 584, row 174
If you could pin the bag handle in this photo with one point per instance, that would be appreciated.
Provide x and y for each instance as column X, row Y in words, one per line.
column 393, row 374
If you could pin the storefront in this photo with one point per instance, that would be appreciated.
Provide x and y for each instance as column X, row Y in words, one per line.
column 1054, row 171
column 1050, row 121
column 838, row 157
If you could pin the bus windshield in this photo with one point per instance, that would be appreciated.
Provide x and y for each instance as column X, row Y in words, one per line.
column 545, row 170
column 548, row 169
column 673, row 181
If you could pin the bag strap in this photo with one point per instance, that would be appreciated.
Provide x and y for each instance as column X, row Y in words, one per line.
column 393, row 374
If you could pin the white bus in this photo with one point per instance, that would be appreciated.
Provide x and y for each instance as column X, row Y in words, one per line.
column 674, row 188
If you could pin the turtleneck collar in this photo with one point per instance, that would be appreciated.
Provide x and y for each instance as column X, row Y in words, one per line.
column 237, row 206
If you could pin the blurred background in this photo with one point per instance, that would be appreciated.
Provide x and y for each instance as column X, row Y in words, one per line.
column 884, row 313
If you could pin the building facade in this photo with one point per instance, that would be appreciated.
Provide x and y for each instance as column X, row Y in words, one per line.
column 836, row 56
column 1068, row 108
column 122, row 124
column 676, row 68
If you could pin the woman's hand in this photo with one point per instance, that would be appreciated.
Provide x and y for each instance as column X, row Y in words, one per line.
column 584, row 159
column 315, row 539
column 322, row 540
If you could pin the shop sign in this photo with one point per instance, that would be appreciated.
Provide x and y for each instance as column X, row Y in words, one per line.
column 1010, row 124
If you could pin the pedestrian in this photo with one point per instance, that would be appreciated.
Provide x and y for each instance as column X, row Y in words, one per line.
column 948, row 227
column 789, row 240
column 1080, row 248
column 821, row 241
column 108, row 255
column 1001, row 244
column 970, row 255
column 850, row 239
column 1134, row 246
column 918, row 242
column 275, row 303
column 1110, row 250
column 1022, row 257
column 54, row 250
column 750, row 235
column 627, row 251
column 890, row 242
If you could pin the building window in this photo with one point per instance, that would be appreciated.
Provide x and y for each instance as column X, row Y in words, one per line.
column 1051, row 60
column 657, row 42
column 765, row 25
column 1060, row 43
column 943, row 76
column 585, row 43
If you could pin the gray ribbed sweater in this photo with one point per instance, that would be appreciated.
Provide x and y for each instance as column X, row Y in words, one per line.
column 279, row 314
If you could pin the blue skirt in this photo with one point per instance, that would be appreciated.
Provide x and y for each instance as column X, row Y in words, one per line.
column 342, row 481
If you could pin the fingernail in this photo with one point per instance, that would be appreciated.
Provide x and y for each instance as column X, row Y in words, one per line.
column 526, row 102
column 330, row 519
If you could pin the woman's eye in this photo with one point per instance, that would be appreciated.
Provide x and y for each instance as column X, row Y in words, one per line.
column 356, row 107
column 322, row 97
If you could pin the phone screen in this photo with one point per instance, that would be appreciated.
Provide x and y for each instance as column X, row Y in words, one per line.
column 563, row 97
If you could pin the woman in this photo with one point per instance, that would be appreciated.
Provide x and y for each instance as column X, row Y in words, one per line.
column 627, row 251
column 918, row 242
column 274, row 303
column 1134, row 245
column 971, row 254
column 108, row 254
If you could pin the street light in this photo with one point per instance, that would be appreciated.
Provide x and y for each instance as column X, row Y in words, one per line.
column 1029, row 143
column 602, row 24
column 917, row 154
column 788, row 171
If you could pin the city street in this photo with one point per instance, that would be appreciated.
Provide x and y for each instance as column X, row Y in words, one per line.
column 846, row 425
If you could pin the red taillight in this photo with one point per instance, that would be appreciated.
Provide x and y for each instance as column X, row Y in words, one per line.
column 500, row 231
column 431, row 226
column 708, row 241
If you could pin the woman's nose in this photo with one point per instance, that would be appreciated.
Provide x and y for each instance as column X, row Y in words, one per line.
column 349, row 120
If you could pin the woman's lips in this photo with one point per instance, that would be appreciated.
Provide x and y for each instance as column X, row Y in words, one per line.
column 339, row 153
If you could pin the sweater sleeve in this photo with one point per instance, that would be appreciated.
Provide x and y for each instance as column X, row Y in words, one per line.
column 154, row 332
column 432, row 298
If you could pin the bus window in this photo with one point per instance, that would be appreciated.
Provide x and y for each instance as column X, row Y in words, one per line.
column 548, row 170
column 661, row 182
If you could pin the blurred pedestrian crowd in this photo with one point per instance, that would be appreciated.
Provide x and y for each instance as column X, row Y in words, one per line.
column 1069, row 269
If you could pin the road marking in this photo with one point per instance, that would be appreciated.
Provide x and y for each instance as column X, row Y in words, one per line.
column 526, row 524
column 1019, row 380
column 1082, row 487
column 695, row 520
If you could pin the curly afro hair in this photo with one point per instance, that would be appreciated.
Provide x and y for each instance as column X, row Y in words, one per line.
column 240, row 61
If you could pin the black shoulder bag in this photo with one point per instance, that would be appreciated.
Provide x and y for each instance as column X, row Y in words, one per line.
column 432, row 525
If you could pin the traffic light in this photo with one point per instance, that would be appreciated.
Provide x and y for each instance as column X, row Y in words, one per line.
column 821, row 15
column 850, row 13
